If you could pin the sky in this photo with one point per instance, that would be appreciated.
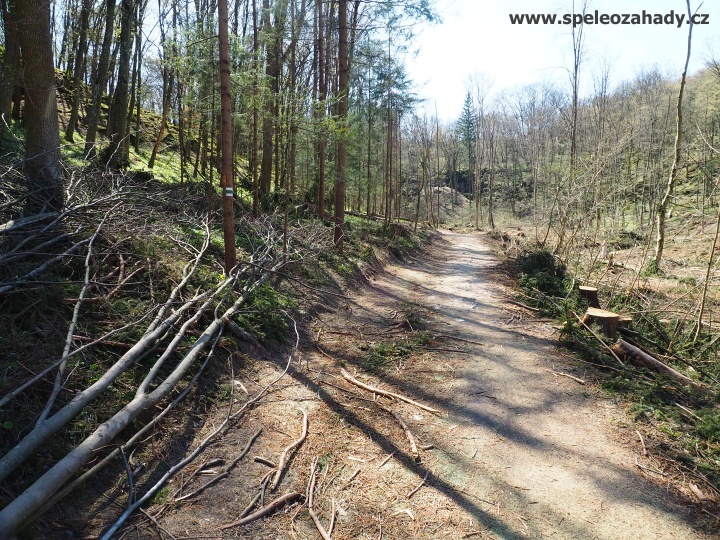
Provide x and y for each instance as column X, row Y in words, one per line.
column 476, row 37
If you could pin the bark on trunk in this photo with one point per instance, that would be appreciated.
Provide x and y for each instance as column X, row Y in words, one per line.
column 42, row 145
column 100, row 81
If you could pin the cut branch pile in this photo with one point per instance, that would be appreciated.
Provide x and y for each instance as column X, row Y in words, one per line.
column 180, row 329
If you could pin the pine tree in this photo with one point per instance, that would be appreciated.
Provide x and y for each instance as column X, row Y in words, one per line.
column 466, row 131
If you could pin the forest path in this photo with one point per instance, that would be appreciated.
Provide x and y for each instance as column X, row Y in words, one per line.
column 525, row 452
column 517, row 452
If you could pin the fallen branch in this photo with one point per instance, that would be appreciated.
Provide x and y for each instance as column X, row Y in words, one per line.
column 408, row 433
column 265, row 510
column 378, row 391
column 421, row 484
column 283, row 457
column 26, row 505
column 525, row 306
column 250, row 506
column 642, row 442
column 226, row 470
column 14, row 283
column 563, row 374
column 384, row 461
column 649, row 469
column 311, row 509
column 446, row 336
column 648, row 361
column 242, row 334
column 264, row 461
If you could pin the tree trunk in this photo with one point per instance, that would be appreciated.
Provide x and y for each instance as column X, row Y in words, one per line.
column 10, row 65
column 227, row 183
column 271, row 63
column 78, row 70
column 320, row 107
column 342, row 120
column 117, row 154
column 100, row 81
column 675, row 169
column 42, row 144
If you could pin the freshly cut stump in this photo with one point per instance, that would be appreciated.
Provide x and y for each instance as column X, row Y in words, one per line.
column 608, row 320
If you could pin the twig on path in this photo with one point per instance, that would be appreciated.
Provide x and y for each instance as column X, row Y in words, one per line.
column 226, row 471
column 563, row 374
column 440, row 349
column 333, row 511
column 283, row 457
column 155, row 522
column 375, row 390
column 642, row 442
column 250, row 506
column 265, row 510
column 421, row 484
column 516, row 303
column 384, row 461
column 406, row 429
column 265, row 461
column 446, row 336
column 352, row 477
column 311, row 509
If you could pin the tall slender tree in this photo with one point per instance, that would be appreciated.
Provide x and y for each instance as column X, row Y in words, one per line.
column 42, row 143
column 227, row 183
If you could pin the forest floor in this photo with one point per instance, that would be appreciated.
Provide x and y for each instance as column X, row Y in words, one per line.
column 517, row 451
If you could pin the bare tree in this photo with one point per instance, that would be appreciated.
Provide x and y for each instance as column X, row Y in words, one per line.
column 675, row 169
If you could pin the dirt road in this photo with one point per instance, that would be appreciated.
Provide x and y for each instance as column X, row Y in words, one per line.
column 518, row 451
column 533, row 454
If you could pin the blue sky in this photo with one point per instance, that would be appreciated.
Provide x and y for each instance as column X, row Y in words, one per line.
column 476, row 37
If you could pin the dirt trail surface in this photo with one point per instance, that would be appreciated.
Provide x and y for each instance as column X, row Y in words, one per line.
column 517, row 451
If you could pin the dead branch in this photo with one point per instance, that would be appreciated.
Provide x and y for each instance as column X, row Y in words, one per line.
column 406, row 429
column 283, row 457
column 649, row 469
column 24, row 506
column 648, row 361
column 8, row 286
column 250, row 506
column 378, row 391
column 384, row 461
column 421, row 484
column 20, row 452
column 265, row 510
column 446, row 336
column 642, row 442
column 226, row 471
column 129, row 444
column 57, row 385
column 109, row 295
column 333, row 514
column 520, row 304
column 352, row 477
column 311, row 509
column 563, row 374
column 16, row 224
column 12, row 255
column 264, row 461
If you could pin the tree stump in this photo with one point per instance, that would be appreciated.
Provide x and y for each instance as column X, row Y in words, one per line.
column 591, row 295
column 607, row 320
